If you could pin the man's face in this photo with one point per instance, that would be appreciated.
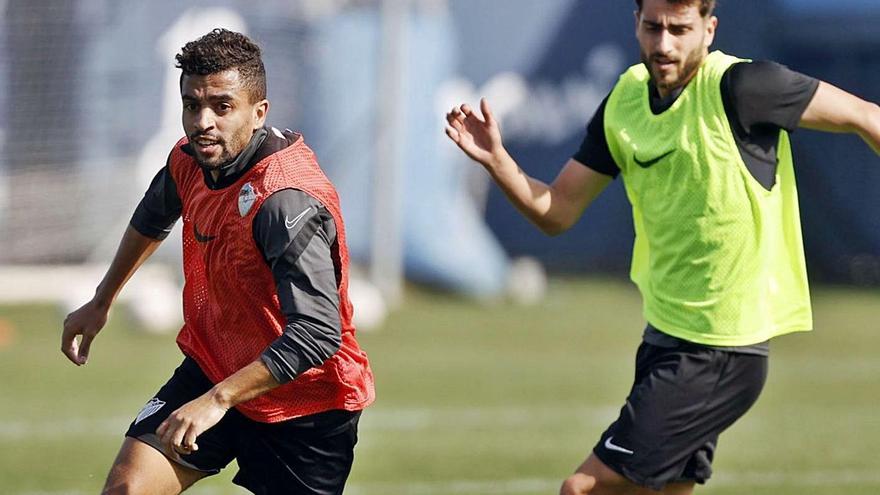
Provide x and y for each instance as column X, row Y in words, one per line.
column 218, row 117
column 673, row 41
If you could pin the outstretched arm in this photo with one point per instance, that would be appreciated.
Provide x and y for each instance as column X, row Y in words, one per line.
column 835, row 110
column 88, row 320
column 553, row 208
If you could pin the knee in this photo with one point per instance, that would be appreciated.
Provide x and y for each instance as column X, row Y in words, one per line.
column 577, row 484
column 120, row 488
column 122, row 483
column 593, row 477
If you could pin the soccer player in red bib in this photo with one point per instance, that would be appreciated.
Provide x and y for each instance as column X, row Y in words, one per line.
column 272, row 374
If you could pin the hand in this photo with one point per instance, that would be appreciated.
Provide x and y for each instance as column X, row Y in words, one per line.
column 479, row 138
column 87, row 321
column 179, row 431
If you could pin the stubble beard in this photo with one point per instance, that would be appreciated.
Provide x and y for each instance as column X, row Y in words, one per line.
column 225, row 158
column 690, row 67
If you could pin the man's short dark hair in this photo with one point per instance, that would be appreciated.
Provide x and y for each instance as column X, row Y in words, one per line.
column 222, row 50
column 706, row 6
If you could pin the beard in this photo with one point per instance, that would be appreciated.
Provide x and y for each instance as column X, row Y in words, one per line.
column 685, row 70
column 229, row 151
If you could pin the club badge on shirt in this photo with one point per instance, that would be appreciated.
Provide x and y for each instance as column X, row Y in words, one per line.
column 246, row 198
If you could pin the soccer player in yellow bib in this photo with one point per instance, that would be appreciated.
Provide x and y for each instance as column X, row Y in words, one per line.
column 700, row 140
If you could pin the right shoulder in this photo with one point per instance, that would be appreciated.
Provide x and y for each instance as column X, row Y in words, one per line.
column 180, row 159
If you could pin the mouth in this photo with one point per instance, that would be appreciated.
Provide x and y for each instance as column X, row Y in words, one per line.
column 206, row 146
column 663, row 64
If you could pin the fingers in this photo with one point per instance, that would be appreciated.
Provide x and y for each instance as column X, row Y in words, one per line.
column 455, row 118
column 162, row 430
column 173, row 436
column 468, row 112
column 71, row 351
column 461, row 114
column 84, row 346
column 69, row 345
column 178, row 435
column 187, row 443
column 189, row 440
column 486, row 111
column 453, row 134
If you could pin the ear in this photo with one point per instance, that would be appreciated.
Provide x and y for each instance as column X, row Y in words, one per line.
column 711, row 26
column 261, row 108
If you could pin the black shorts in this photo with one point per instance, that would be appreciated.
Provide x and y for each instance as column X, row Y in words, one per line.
column 682, row 399
column 308, row 455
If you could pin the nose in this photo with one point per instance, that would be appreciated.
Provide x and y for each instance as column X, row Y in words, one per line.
column 665, row 42
column 204, row 120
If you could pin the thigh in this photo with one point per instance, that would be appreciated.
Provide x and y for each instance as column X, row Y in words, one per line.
column 141, row 469
column 216, row 445
column 306, row 456
column 683, row 398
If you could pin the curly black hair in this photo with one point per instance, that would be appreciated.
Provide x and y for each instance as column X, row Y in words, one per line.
column 706, row 6
column 222, row 50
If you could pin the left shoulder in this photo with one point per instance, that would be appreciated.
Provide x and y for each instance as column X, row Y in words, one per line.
column 286, row 202
column 749, row 79
column 290, row 214
column 277, row 140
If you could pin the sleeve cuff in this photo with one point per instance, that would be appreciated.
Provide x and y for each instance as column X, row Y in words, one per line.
column 148, row 231
column 280, row 374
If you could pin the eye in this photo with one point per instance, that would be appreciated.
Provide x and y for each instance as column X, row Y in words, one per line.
column 224, row 107
column 190, row 106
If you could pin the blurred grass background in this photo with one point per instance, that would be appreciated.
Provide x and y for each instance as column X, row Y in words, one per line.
column 471, row 398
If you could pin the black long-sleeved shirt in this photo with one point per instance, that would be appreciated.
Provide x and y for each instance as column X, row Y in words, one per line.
column 294, row 232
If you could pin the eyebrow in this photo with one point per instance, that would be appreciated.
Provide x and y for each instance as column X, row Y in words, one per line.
column 213, row 98
column 679, row 25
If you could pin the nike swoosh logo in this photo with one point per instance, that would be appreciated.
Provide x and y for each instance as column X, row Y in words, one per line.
column 653, row 161
column 611, row 446
column 292, row 223
column 200, row 237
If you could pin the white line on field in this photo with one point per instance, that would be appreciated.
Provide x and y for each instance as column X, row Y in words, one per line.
column 374, row 419
column 55, row 428
column 380, row 419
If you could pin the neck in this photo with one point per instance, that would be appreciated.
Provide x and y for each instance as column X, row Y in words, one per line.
column 241, row 160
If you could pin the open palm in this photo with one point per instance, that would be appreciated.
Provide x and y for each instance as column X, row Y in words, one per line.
column 478, row 137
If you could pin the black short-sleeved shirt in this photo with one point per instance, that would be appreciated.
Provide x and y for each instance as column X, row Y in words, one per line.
column 299, row 256
column 760, row 98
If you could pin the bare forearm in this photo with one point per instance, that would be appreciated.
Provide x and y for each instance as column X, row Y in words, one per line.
column 870, row 131
column 245, row 384
column 532, row 197
column 555, row 207
column 133, row 250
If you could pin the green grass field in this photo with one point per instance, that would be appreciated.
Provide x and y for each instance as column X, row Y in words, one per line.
column 471, row 399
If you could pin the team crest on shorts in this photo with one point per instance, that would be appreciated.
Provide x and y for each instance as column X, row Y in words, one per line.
column 246, row 198
column 149, row 409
